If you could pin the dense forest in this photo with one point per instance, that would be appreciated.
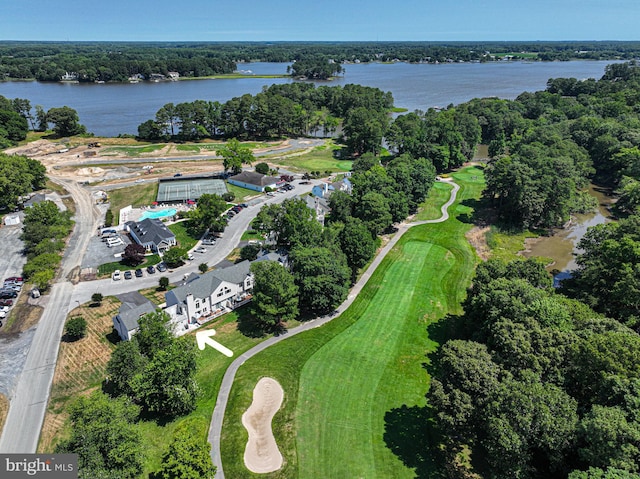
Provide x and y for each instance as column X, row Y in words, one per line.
column 279, row 110
column 535, row 385
column 117, row 62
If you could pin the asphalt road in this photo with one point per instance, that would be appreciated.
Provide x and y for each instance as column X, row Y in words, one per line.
column 215, row 428
column 29, row 402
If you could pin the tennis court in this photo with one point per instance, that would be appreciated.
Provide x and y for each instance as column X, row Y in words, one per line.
column 172, row 190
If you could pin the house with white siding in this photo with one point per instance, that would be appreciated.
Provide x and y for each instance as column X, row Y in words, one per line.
column 210, row 295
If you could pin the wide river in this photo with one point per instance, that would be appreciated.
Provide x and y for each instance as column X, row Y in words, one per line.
column 111, row 109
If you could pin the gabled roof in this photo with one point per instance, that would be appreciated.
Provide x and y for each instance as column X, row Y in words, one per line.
column 205, row 285
column 254, row 178
column 151, row 230
column 129, row 313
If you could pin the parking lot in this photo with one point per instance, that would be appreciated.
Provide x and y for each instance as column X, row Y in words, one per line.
column 99, row 253
column 12, row 260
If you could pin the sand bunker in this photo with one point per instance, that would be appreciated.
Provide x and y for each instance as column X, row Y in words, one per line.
column 262, row 454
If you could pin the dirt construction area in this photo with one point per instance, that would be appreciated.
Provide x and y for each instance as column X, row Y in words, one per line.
column 118, row 161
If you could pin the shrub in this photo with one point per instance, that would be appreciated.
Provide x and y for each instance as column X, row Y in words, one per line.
column 203, row 267
column 164, row 283
column 262, row 168
column 228, row 196
column 108, row 218
column 76, row 328
column 97, row 298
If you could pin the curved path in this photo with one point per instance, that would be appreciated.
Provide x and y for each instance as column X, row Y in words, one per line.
column 215, row 429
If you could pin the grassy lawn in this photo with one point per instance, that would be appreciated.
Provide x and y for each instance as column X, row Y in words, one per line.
column 341, row 380
column 235, row 331
column 108, row 268
column 184, row 239
column 132, row 150
column 80, row 368
column 505, row 245
column 431, row 208
column 320, row 159
column 136, row 195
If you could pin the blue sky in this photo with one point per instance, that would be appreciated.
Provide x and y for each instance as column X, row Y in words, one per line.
column 320, row 20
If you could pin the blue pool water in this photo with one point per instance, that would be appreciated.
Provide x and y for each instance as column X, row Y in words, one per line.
column 158, row 214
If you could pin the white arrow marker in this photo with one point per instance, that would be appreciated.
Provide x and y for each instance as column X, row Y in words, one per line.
column 204, row 337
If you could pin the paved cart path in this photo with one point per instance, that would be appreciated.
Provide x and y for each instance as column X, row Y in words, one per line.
column 215, row 429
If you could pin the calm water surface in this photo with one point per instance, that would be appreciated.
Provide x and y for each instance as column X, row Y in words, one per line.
column 111, row 109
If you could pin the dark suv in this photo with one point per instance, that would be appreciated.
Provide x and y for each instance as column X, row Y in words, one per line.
column 8, row 293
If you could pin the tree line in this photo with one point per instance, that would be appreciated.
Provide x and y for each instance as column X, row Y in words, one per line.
column 150, row 376
column 534, row 384
column 324, row 260
column 295, row 109
column 117, row 61
column 546, row 147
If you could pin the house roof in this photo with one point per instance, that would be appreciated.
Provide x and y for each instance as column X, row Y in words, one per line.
column 205, row 285
column 254, row 178
column 273, row 256
column 129, row 313
column 151, row 230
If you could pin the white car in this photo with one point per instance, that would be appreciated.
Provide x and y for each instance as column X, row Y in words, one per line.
column 3, row 314
column 201, row 249
column 208, row 241
column 116, row 276
column 4, row 309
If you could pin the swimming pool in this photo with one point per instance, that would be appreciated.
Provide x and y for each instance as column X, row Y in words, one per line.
column 158, row 214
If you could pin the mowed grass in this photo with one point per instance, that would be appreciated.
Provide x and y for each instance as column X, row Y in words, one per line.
column 342, row 379
column 132, row 150
column 321, row 159
column 438, row 195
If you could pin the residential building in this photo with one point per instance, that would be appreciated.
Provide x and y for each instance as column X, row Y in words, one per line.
column 210, row 295
column 255, row 181
column 320, row 206
column 152, row 234
column 126, row 321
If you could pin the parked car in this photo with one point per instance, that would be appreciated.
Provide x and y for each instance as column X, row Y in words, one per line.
column 190, row 256
column 8, row 293
column 128, row 275
column 116, row 276
column 200, row 249
column 161, row 267
column 15, row 279
column 177, row 175
column 209, row 241
column 15, row 287
column 4, row 309
column 3, row 315
column 6, row 302
column 151, row 270
column 138, row 273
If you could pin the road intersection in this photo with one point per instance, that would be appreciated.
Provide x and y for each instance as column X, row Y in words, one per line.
column 29, row 401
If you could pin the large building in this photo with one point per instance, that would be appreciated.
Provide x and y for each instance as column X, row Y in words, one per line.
column 210, row 295
column 152, row 234
column 254, row 181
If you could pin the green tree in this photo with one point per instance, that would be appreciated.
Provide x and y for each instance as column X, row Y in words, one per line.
column 65, row 121
column 104, row 436
column 167, row 386
column 609, row 473
column 611, row 439
column 373, row 209
column 42, row 278
column 322, row 277
column 234, row 155
column 357, row 243
column 208, row 214
column 262, row 168
column 125, row 363
column 188, row 456
column 154, row 333
column 75, row 328
column 249, row 252
column 175, row 256
column 203, row 267
column 163, row 283
column 97, row 298
column 364, row 130
column 275, row 295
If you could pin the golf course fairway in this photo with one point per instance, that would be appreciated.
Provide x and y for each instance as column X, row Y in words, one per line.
column 341, row 379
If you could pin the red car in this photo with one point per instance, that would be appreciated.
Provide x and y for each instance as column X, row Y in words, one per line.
column 6, row 302
column 14, row 279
